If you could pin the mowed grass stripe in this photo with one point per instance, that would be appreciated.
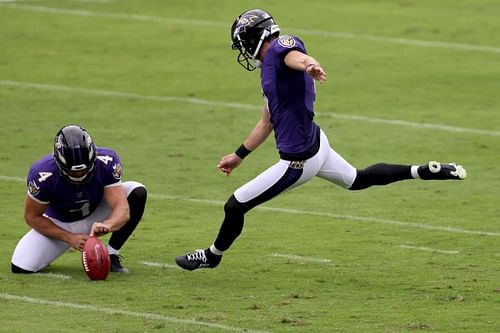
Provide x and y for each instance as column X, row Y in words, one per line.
column 205, row 23
column 242, row 106
column 340, row 217
column 111, row 311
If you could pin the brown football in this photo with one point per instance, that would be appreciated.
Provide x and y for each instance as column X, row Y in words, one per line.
column 95, row 259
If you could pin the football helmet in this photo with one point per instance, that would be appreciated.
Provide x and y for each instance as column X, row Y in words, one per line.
column 248, row 33
column 75, row 153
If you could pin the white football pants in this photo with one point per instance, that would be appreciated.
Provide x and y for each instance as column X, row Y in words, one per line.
column 326, row 164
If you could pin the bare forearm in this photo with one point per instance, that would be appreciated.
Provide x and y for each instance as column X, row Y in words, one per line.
column 299, row 61
column 120, row 213
column 47, row 228
column 258, row 135
column 302, row 62
column 119, row 216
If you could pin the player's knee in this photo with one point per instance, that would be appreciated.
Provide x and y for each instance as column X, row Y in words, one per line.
column 19, row 270
column 359, row 182
column 234, row 207
column 138, row 195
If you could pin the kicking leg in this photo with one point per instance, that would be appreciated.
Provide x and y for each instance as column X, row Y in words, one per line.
column 383, row 174
column 380, row 174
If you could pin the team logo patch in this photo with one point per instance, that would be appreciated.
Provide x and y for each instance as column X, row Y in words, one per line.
column 246, row 20
column 33, row 188
column 286, row 41
column 117, row 171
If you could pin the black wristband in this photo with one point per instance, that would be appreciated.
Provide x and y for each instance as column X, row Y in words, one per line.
column 242, row 151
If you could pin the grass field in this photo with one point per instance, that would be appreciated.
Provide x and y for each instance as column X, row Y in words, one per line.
column 408, row 81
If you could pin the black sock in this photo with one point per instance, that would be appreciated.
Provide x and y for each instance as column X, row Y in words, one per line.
column 232, row 225
column 381, row 174
column 137, row 202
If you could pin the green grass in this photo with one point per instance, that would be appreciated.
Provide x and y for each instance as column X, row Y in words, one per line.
column 109, row 72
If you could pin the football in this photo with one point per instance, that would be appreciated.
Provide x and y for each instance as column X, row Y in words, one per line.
column 95, row 259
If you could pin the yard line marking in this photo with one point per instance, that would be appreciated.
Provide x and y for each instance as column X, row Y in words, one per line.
column 300, row 258
column 403, row 41
column 336, row 216
column 111, row 311
column 158, row 264
column 198, row 101
column 120, row 94
column 93, row 1
column 383, row 221
column 14, row 179
column 397, row 122
column 374, row 38
column 346, row 217
column 54, row 276
column 423, row 248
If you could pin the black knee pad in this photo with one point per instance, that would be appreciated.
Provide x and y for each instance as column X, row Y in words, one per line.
column 19, row 270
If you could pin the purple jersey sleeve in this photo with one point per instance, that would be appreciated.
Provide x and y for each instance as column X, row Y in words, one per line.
column 42, row 179
column 285, row 44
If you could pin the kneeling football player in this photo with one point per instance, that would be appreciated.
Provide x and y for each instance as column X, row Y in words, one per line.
column 73, row 193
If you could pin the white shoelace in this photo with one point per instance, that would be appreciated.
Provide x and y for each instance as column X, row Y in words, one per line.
column 197, row 255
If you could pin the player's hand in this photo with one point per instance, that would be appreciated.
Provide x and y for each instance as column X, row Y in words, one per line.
column 99, row 229
column 317, row 72
column 228, row 163
column 77, row 241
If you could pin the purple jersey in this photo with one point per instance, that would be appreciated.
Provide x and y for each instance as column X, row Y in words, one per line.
column 290, row 98
column 70, row 202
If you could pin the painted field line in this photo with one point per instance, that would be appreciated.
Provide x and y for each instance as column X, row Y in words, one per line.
column 397, row 122
column 300, row 258
column 53, row 276
column 328, row 34
column 12, row 179
column 119, row 94
column 111, row 311
column 158, row 264
column 198, row 101
column 345, row 217
column 423, row 248
column 92, row 1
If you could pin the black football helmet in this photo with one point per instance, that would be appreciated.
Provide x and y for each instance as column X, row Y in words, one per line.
column 248, row 32
column 75, row 153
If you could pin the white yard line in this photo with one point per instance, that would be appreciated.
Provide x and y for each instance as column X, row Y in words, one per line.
column 159, row 264
column 340, row 217
column 111, row 311
column 428, row 249
column 53, row 276
column 222, row 104
column 300, row 258
column 331, row 34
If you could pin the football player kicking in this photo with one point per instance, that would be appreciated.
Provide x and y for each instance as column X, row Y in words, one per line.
column 73, row 193
column 287, row 78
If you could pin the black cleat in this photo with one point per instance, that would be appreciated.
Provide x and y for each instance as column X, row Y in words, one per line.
column 441, row 171
column 116, row 265
column 198, row 259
